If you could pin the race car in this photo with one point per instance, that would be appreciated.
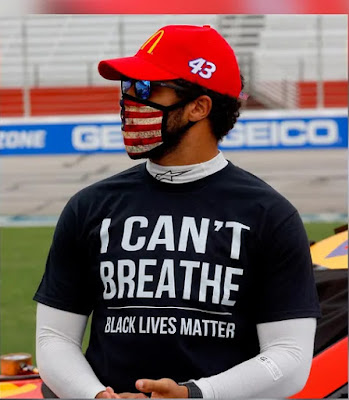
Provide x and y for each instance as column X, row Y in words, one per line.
column 329, row 372
column 19, row 379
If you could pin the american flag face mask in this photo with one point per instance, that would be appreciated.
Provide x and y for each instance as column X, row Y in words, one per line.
column 144, row 125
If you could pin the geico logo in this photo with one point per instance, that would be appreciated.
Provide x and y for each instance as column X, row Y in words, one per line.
column 293, row 133
column 34, row 139
column 97, row 137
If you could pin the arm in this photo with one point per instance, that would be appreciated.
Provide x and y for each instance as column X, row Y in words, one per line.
column 61, row 362
column 280, row 370
column 64, row 305
column 287, row 350
column 286, row 294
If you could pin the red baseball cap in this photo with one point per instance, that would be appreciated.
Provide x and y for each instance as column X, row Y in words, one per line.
column 197, row 54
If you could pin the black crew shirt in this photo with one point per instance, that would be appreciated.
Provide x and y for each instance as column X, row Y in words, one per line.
column 178, row 275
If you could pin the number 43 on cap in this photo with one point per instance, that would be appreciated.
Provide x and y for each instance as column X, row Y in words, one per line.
column 202, row 67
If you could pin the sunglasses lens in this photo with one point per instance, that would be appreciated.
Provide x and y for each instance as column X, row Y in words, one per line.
column 125, row 86
column 142, row 89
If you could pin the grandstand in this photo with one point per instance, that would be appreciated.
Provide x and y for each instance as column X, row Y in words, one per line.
column 49, row 62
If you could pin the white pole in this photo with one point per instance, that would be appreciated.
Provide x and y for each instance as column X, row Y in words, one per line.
column 26, row 83
column 320, row 83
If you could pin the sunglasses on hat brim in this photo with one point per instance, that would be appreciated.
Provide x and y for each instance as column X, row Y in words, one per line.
column 143, row 89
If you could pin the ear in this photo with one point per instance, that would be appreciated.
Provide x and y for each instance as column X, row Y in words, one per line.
column 199, row 108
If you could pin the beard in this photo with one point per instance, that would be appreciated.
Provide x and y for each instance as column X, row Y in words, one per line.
column 176, row 129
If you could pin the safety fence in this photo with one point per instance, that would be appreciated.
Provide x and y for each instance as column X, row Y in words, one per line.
column 59, row 101
column 288, row 61
column 105, row 99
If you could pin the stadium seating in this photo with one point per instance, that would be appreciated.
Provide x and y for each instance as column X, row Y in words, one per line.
column 279, row 56
column 64, row 50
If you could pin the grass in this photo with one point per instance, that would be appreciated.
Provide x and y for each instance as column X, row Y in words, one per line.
column 320, row 230
column 23, row 255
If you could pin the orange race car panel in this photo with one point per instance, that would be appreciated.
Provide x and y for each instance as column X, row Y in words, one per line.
column 21, row 389
column 331, row 252
column 329, row 371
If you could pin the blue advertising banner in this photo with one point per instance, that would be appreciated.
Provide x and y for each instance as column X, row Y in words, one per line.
column 288, row 133
column 63, row 138
column 255, row 131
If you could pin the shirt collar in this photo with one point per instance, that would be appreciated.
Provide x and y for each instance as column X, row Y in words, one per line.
column 186, row 173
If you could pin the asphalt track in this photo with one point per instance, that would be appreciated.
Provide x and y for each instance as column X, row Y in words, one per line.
column 314, row 181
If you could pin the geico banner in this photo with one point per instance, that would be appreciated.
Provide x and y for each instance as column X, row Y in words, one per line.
column 62, row 138
column 288, row 134
column 268, row 130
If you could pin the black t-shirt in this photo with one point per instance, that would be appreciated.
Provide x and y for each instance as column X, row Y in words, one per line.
column 178, row 275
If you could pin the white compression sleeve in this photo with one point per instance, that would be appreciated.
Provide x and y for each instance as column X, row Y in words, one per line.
column 280, row 370
column 60, row 360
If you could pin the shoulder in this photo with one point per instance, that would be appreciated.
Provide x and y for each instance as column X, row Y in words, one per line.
column 129, row 179
column 255, row 190
column 98, row 197
column 262, row 206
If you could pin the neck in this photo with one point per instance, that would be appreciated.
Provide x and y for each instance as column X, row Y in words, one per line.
column 197, row 146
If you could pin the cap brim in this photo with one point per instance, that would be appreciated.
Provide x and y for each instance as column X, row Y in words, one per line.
column 133, row 67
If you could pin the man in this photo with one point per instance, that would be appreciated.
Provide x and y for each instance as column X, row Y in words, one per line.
column 198, row 273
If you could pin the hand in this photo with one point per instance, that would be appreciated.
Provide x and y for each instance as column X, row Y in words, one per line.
column 162, row 388
column 108, row 393
column 127, row 395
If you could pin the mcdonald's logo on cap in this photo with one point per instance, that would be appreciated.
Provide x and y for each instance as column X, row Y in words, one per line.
column 153, row 41
column 194, row 53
